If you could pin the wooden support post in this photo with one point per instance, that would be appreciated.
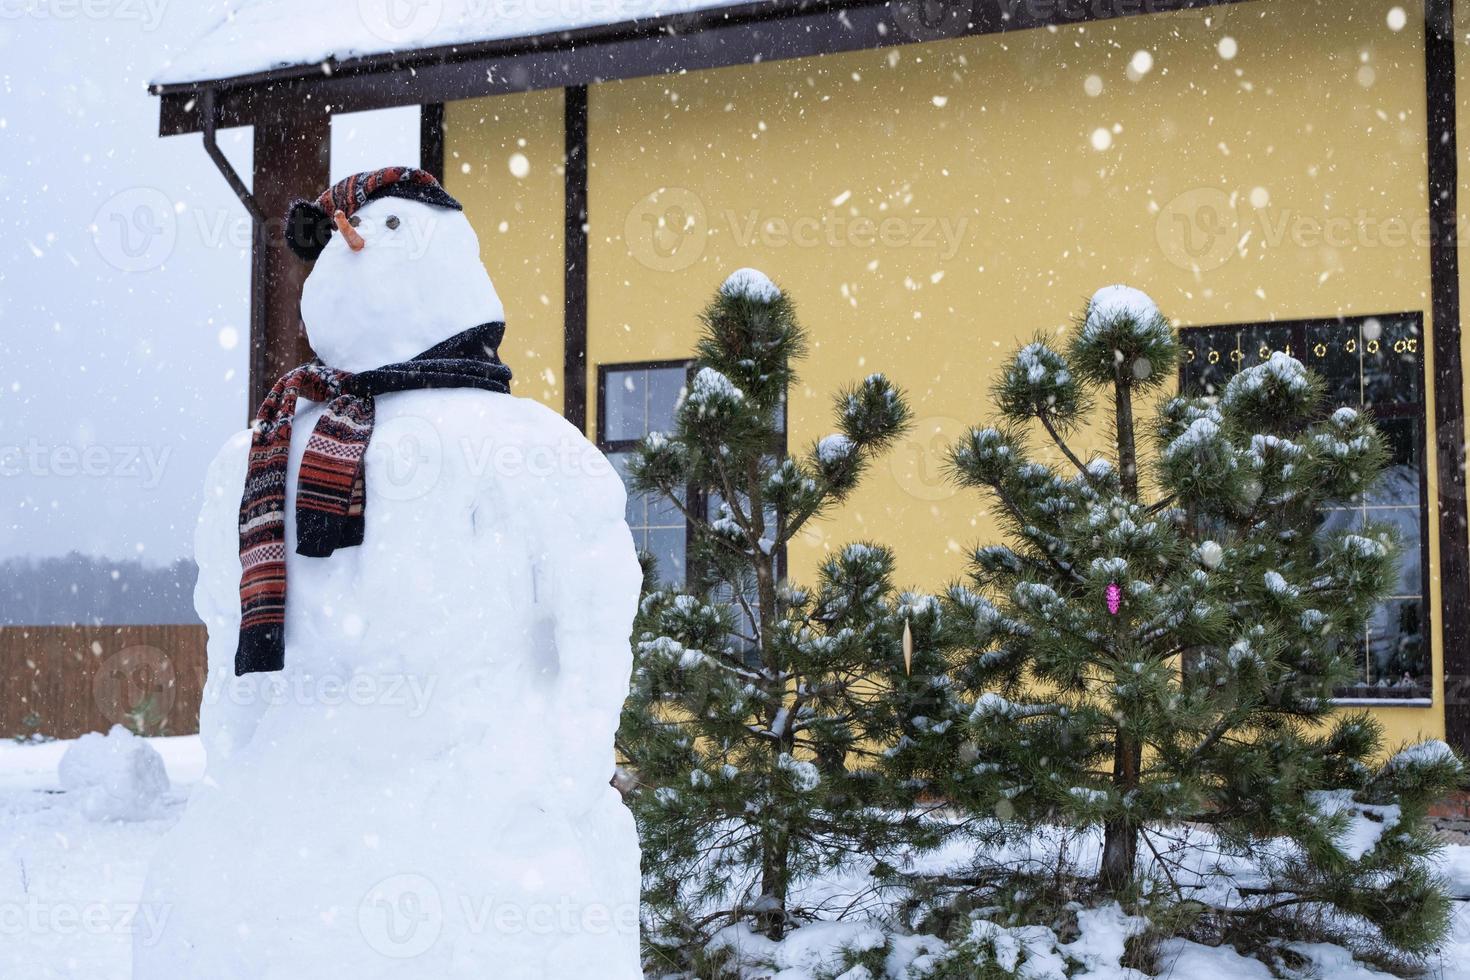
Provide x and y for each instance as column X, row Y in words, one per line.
column 292, row 152
column 574, row 362
column 1449, row 407
column 431, row 139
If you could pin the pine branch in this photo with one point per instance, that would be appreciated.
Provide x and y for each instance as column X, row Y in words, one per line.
column 750, row 613
column 1020, row 517
column 732, row 499
column 1061, row 444
column 1159, row 505
column 1221, row 729
column 698, row 520
column 730, row 665
column 1163, row 864
column 819, row 503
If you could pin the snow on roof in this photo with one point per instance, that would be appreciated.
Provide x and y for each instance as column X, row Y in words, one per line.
column 261, row 35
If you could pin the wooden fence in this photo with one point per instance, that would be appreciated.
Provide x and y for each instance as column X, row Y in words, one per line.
column 64, row 681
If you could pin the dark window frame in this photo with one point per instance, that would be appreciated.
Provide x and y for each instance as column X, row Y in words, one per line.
column 696, row 501
column 603, row 370
column 608, row 446
column 1418, row 410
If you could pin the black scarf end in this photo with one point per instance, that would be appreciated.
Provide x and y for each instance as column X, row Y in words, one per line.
column 262, row 650
column 319, row 534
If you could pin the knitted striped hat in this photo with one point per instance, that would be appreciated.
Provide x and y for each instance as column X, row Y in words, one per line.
column 309, row 224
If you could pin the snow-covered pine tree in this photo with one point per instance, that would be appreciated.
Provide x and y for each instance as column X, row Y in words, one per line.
column 759, row 706
column 1157, row 645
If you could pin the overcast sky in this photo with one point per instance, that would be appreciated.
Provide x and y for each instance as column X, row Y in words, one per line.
column 124, row 278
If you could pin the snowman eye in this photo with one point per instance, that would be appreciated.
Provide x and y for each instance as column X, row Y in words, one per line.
column 392, row 221
column 354, row 221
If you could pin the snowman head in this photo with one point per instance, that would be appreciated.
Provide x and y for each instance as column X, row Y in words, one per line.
column 397, row 269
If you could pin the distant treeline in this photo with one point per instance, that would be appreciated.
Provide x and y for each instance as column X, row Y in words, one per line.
column 95, row 591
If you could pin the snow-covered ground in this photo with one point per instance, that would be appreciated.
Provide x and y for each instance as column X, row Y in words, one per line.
column 70, row 887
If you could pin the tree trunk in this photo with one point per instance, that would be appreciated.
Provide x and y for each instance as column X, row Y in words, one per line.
column 775, row 880
column 1120, row 834
column 775, row 841
column 1127, row 450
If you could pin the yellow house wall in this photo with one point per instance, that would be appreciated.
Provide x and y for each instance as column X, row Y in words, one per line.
column 931, row 206
column 504, row 160
column 1281, row 183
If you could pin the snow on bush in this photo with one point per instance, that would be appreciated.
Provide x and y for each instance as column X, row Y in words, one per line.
column 1035, row 952
column 804, row 775
column 1432, row 752
column 1280, row 371
column 117, row 776
column 816, row 949
column 712, row 386
column 752, row 284
column 1112, row 303
column 834, row 448
column 1364, row 825
column 1038, row 364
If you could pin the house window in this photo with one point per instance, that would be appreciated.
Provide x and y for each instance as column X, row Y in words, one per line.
column 632, row 401
column 1373, row 363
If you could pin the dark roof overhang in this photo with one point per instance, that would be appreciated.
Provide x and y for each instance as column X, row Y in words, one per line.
column 768, row 30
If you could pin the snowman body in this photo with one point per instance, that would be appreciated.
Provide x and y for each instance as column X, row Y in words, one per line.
column 423, row 791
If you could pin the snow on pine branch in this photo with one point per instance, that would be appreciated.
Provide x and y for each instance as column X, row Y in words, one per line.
column 752, row 284
column 1113, row 304
column 711, row 386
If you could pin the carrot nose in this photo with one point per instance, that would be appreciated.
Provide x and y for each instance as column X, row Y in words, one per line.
column 349, row 233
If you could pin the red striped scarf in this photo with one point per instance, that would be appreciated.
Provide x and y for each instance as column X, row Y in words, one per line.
column 330, row 489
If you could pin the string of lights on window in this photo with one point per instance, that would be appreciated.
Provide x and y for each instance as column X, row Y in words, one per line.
column 1404, row 345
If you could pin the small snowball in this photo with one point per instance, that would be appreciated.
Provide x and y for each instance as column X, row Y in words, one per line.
column 116, row 776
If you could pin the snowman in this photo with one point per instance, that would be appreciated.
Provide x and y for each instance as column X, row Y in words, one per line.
column 418, row 646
